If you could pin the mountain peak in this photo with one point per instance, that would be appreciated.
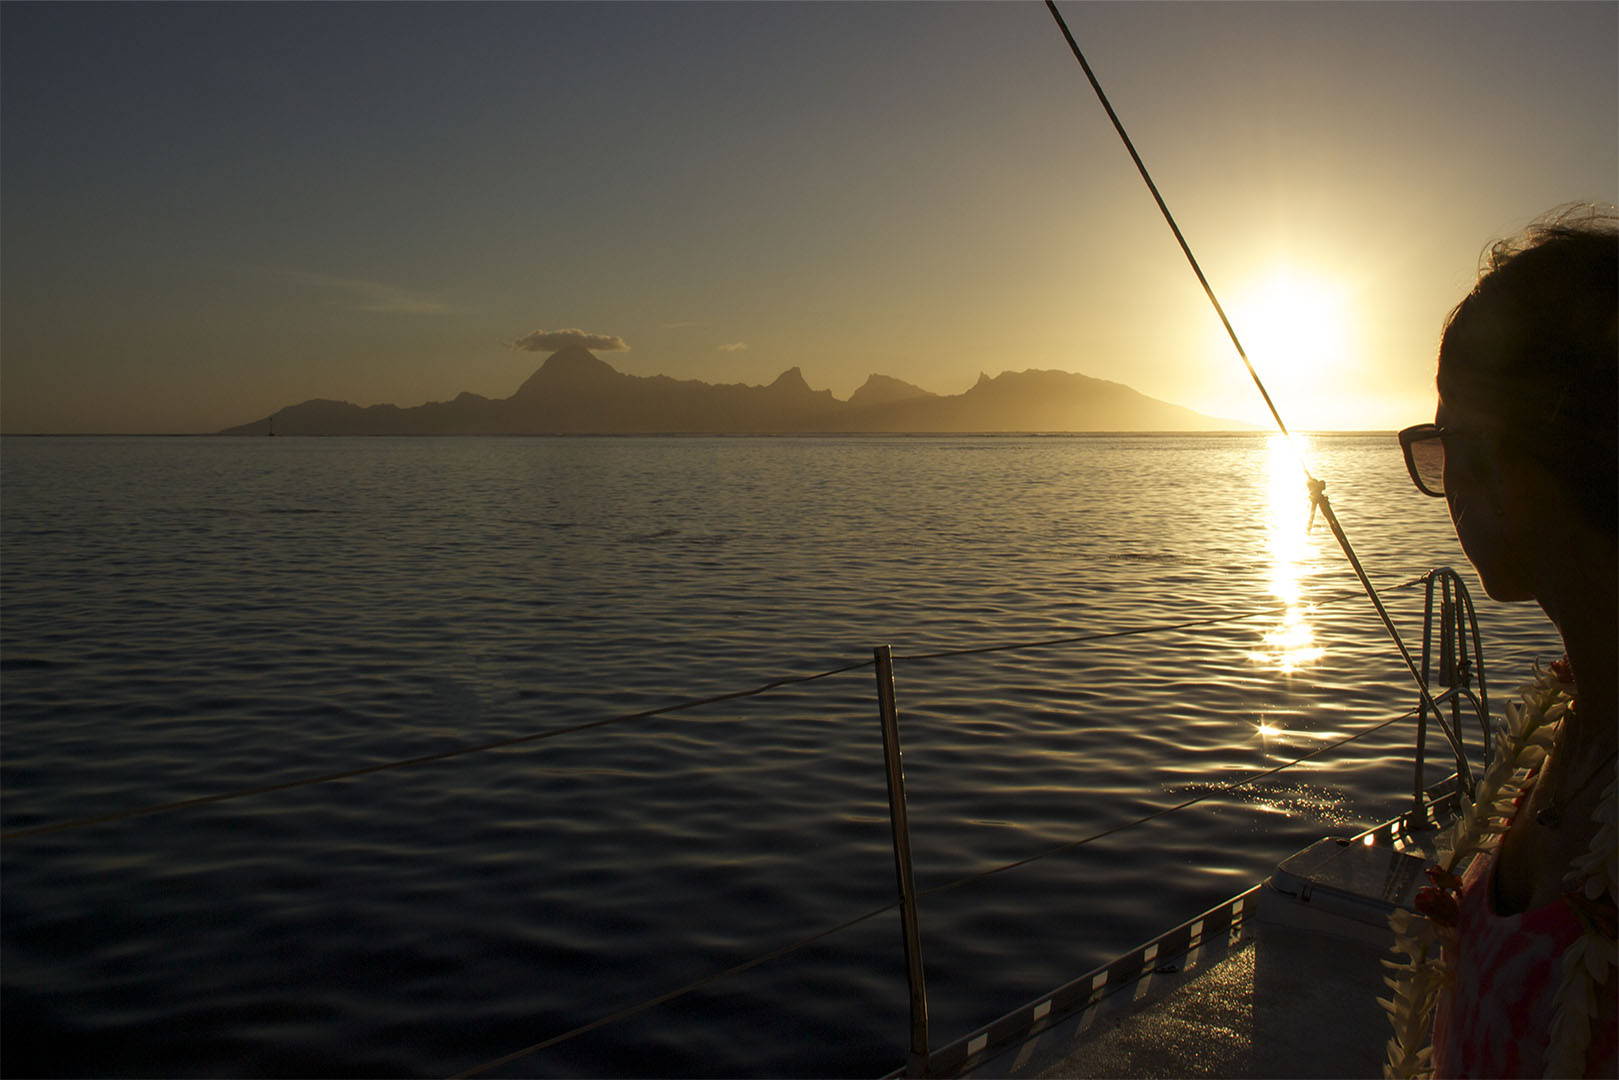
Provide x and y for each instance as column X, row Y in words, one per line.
column 573, row 368
column 883, row 389
column 791, row 379
column 576, row 358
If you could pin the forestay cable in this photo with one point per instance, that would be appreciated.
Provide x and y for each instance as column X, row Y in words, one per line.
column 1317, row 488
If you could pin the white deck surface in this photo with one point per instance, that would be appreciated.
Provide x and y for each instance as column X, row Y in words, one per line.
column 1280, row 1006
column 1281, row 981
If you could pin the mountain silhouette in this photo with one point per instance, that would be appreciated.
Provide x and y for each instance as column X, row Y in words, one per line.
column 576, row 392
column 885, row 390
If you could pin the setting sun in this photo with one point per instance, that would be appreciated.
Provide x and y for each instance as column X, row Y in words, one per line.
column 1297, row 329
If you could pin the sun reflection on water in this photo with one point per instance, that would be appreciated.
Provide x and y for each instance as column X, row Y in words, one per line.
column 1290, row 643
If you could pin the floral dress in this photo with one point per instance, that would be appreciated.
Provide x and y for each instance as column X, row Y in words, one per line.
column 1496, row 1018
column 1482, row 994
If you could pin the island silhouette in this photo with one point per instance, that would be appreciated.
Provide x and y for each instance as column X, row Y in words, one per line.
column 576, row 393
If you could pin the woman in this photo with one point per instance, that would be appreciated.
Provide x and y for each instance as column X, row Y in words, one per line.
column 1523, row 449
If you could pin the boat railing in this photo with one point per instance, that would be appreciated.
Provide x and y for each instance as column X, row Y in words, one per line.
column 1452, row 661
column 1452, row 665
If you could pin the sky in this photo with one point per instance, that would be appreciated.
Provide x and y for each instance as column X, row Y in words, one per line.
column 211, row 211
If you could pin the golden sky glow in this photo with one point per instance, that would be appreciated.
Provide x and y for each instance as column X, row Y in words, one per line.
column 213, row 211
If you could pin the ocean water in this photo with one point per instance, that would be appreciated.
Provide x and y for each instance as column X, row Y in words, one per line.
column 190, row 616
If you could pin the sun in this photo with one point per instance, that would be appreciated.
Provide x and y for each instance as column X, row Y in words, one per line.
column 1297, row 330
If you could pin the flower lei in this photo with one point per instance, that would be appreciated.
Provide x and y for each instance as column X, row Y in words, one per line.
column 1531, row 726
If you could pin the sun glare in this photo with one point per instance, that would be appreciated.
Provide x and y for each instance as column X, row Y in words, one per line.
column 1289, row 643
column 1297, row 330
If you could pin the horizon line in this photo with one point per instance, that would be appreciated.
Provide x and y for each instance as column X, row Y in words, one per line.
column 1219, row 432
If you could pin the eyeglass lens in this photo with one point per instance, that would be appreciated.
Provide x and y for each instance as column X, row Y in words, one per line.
column 1428, row 459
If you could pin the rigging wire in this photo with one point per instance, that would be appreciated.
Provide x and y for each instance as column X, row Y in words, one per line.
column 461, row 751
column 1317, row 488
column 776, row 954
column 643, row 1006
column 1163, row 811
column 551, row 733
column 1158, row 628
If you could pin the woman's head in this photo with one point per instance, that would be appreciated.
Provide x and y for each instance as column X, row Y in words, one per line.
column 1528, row 379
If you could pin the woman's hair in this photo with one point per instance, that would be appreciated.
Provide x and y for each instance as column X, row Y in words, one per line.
column 1531, row 354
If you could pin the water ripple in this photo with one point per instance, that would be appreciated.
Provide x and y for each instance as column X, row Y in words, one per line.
column 191, row 616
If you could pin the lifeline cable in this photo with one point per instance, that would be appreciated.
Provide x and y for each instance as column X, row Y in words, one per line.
column 682, row 991
column 551, row 733
column 1162, row 811
column 979, row 650
column 497, row 744
column 1317, row 488
column 785, row 950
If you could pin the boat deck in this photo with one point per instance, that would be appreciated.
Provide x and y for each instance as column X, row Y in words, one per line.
column 1276, row 1007
column 1280, row 981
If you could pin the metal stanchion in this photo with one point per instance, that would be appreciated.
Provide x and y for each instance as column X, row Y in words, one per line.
column 917, row 1061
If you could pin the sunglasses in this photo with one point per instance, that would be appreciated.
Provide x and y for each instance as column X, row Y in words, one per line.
column 1424, row 447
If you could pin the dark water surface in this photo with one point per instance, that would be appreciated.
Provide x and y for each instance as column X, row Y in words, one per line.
column 189, row 616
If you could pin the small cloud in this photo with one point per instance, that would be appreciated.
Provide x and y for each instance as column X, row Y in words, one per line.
column 553, row 340
column 735, row 346
column 373, row 295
